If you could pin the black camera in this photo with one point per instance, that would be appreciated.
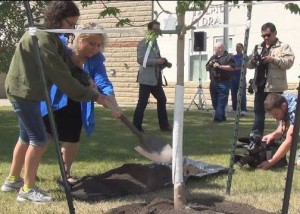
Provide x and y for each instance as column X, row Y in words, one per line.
column 250, row 86
column 257, row 58
column 166, row 64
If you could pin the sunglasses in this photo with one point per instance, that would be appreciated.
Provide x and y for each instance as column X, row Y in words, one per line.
column 266, row 35
column 71, row 24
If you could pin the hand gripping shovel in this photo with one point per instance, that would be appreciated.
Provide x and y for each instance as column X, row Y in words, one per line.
column 151, row 147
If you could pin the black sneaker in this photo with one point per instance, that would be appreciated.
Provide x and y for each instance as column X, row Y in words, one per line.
column 167, row 129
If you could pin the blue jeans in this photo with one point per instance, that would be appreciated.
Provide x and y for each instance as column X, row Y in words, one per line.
column 235, row 84
column 219, row 91
column 31, row 124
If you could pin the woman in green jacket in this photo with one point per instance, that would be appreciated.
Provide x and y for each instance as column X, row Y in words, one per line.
column 25, row 91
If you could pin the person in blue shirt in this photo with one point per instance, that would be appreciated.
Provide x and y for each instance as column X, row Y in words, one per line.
column 86, row 53
column 282, row 108
column 235, row 81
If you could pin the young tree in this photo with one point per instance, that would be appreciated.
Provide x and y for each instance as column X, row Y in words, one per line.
column 12, row 16
column 181, row 9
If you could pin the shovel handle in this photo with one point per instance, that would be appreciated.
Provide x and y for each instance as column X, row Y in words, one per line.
column 125, row 120
column 113, row 106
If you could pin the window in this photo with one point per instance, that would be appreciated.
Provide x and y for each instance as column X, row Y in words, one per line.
column 230, row 48
column 197, row 68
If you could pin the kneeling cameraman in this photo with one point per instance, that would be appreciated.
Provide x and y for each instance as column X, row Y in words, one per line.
column 282, row 108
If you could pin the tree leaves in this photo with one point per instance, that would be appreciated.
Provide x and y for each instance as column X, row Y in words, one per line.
column 13, row 16
column 110, row 11
column 294, row 8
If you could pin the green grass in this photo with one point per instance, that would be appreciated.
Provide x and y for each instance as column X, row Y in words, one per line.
column 112, row 145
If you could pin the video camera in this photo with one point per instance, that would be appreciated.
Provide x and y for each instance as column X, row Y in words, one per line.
column 257, row 151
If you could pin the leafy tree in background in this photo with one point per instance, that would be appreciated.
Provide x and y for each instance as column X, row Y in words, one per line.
column 12, row 18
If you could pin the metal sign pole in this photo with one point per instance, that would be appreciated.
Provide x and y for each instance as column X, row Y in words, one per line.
column 49, row 108
column 290, row 172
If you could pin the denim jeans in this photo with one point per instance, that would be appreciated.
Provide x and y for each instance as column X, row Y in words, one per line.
column 259, row 111
column 31, row 125
column 235, row 84
column 219, row 91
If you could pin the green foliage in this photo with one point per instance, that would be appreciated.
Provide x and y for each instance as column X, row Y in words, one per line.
column 123, row 22
column 183, row 6
column 199, row 4
column 294, row 8
column 13, row 16
column 86, row 3
column 110, row 11
column 151, row 35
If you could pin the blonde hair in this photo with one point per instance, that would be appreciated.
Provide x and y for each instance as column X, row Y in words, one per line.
column 81, row 36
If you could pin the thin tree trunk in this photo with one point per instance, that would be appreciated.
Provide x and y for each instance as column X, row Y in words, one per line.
column 177, row 163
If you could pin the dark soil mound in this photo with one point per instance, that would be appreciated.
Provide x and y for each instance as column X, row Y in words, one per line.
column 125, row 180
column 206, row 204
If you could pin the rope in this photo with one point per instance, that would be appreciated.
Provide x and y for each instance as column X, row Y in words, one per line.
column 238, row 110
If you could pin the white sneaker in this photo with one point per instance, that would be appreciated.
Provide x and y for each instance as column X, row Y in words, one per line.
column 243, row 113
column 35, row 195
column 10, row 186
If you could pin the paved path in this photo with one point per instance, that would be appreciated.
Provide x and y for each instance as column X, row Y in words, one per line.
column 4, row 102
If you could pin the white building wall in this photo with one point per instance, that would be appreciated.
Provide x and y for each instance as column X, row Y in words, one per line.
column 287, row 25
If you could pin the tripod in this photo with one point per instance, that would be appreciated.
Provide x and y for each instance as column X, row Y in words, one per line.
column 202, row 101
column 201, row 105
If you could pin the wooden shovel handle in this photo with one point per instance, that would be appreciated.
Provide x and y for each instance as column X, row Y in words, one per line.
column 112, row 106
column 135, row 131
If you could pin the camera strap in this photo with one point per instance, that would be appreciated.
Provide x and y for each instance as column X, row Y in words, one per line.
column 164, row 80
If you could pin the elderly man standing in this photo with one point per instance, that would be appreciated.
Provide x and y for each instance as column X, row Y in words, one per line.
column 270, row 59
column 220, row 67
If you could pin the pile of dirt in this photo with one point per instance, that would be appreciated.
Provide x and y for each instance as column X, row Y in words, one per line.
column 140, row 179
column 206, row 205
column 125, row 180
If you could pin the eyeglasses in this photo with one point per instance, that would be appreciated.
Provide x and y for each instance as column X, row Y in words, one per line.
column 71, row 24
column 266, row 35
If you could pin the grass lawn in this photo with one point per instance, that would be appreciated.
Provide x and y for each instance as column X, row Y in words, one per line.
column 112, row 145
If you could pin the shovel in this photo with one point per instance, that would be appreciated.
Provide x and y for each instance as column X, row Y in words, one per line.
column 150, row 147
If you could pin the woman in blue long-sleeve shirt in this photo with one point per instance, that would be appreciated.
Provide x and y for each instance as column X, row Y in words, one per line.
column 86, row 52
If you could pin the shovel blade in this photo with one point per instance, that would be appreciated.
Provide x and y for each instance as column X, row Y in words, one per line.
column 164, row 155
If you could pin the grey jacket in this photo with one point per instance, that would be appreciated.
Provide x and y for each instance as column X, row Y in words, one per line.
column 151, row 75
column 283, row 60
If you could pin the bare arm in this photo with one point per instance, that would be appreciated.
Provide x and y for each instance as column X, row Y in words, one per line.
column 281, row 152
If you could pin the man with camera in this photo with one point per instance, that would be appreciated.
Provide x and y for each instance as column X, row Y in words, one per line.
column 150, row 78
column 270, row 59
column 220, row 67
column 282, row 108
